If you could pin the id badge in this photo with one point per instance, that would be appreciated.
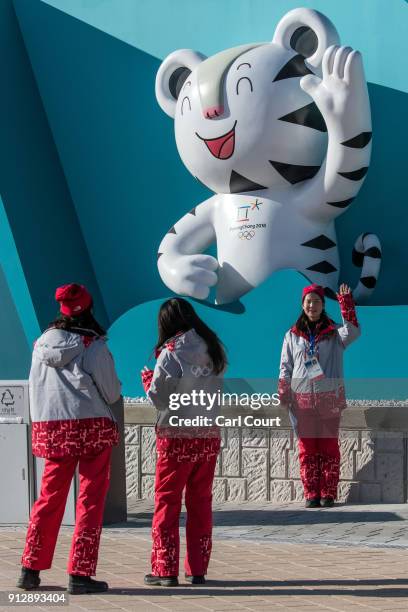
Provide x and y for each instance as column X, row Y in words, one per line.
column 313, row 368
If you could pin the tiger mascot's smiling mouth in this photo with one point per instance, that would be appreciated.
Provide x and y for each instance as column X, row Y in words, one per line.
column 223, row 146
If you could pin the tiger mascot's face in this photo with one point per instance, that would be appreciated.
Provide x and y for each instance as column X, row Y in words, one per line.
column 242, row 121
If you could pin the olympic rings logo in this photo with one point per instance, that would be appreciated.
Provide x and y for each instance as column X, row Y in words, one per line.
column 247, row 235
column 205, row 371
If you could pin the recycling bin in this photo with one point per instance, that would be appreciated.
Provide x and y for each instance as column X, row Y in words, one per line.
column 16, row 460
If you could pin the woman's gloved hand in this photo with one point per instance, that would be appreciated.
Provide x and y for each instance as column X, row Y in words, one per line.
column 147, row 376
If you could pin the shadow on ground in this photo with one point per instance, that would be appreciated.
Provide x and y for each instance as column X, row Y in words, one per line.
column 238, row 518
column 247, row 588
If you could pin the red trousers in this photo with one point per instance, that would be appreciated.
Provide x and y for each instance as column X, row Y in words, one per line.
column 48, row 510
column 319, row 460
column 172, row 477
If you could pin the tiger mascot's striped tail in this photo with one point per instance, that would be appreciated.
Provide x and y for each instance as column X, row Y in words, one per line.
column 367, row 256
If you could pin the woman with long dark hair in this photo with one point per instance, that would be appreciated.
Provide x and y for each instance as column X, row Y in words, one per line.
column 72, row 382
column 311, row 385
column 190, row 359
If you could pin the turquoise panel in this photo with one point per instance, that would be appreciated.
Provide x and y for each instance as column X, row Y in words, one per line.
column 376, row 27
column 33, row 187
column 15, row 281
column 15, row 354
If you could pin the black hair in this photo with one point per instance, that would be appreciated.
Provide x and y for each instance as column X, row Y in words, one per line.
column 177, row 315
column 84, row 324
column 303, row 323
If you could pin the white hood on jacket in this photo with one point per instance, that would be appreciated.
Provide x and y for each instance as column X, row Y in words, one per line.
column 57, row 347
column 191, row 348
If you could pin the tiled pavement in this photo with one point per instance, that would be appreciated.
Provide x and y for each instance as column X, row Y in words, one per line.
column 350, row 525
column 264, row 558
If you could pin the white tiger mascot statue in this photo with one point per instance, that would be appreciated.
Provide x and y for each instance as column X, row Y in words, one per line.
column 281, row 132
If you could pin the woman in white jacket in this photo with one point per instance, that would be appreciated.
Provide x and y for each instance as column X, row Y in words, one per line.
column 190, row 359
column 72, row 383
column 311, row 385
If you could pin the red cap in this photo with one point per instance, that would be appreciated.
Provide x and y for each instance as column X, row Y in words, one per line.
column 73, row 299
column 313, row 289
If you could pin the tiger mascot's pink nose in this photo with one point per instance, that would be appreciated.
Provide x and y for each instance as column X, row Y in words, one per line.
column 213, row 111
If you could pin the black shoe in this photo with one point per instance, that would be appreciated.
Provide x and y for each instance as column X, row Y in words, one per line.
column 327, row 502
column 195, row 579
column 79, row 585
column 167, row 581
column 314, row 502
column 29, row 579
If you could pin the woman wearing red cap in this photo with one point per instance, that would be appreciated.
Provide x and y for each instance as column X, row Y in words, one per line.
column 311, row 385
column 72, row 382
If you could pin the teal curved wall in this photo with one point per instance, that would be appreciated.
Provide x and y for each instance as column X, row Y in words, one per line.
column 91, row 179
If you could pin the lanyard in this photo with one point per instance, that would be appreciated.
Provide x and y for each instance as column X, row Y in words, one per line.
column 312, row 344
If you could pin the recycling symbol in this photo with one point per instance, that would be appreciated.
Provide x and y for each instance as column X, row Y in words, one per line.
column 7, row 398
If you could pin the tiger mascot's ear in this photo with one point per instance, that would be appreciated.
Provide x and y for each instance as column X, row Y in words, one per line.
column 172, row 75
column 308, row 32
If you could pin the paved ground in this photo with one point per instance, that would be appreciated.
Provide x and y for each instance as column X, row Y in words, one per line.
column 264, row 558
column 350, row 525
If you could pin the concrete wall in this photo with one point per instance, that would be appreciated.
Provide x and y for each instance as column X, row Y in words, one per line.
column 263, row 465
